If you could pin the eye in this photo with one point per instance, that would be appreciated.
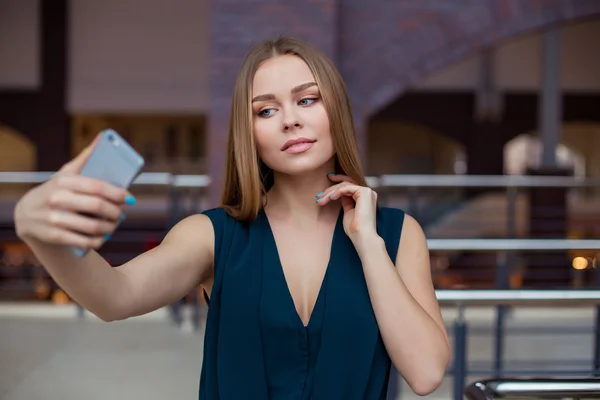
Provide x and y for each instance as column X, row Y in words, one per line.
column 307, row 101
column 267, row 112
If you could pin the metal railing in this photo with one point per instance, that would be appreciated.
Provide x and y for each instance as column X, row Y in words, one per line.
column 385, row 181
column 146, row 178
column 413, row 185
column 385, row 185
column 485, row 181
column 541, row 388
column 503, row 298
column 462, row 299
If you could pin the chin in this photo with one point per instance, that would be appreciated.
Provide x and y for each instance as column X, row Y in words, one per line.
column 301, row 164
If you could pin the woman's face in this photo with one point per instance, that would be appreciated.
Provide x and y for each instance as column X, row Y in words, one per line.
column 291, row 127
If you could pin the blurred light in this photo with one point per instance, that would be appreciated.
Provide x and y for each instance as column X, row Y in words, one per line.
column 441, row 263
column 460, row 167
column 580, row 263
column 42, row 290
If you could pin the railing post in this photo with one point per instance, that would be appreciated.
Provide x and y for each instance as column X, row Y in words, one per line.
column 383, row 193
column 175, row 211
column 597, row 342
column 460, row 353
column 502, row 278
column 394, row 385
column 195, row 198
column 499, row 345
column 597, row 331
column 504, row 267
column 511, row 211
column 195, row 309
column 175, row 206
column 413, row 202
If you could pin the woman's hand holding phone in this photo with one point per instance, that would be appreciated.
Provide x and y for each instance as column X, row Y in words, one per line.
column 70, row 209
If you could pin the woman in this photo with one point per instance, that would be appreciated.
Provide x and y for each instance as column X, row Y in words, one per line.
column 314, row 290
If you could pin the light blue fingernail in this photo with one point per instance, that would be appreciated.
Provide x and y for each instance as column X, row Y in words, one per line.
column 130, row 200
column 107, row 236
column 319, row 199
column 330, row 174
column 318, row 194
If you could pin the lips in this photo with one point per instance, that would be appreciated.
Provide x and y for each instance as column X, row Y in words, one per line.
column 294, row 142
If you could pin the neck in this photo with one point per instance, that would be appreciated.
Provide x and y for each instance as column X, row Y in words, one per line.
column 294, row 196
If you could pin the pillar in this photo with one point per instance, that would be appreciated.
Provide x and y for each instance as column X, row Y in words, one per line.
column 41, row 114
column 548, row 215
column 550, row 115
column 52, row 129
column 485, row 144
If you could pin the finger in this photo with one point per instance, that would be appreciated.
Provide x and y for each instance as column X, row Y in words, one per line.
column 95, row 187
column 347, row 203
column 67, row 238
column 75, row 165
column 330, row 195
column 339, row 178
column 327, row 192
column 346, row 190
column 83, row 203
column 80, row 223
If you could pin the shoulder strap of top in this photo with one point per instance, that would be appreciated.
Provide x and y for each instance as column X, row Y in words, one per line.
column 223, row 226
column 389, row 226
column 217, row 217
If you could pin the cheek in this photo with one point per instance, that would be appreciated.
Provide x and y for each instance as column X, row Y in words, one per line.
column 263, row 137
column 322, row 126
column 320, row 121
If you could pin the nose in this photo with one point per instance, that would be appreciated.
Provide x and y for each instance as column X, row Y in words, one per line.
column 290, row 122
column 288, row 126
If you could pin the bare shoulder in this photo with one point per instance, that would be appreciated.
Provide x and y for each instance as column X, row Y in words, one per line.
column 413, row 244
column 166, row 273
column 193, row 235
column 186, row 251
column 192, row 227
column 414, row 267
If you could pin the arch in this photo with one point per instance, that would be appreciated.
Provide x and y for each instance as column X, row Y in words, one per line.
column 583, row 137
column 525, row 151
column 453, row 112
column 403, row 147
column 17, row 152
column 576, row 149
column 404, row 42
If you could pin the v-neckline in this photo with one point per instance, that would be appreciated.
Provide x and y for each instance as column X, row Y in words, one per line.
column 273, row 243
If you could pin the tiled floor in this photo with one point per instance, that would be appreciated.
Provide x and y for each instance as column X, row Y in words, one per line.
column 69, row 359
column 54, row 356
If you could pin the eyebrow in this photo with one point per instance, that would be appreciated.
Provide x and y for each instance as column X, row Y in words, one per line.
column 299, row 88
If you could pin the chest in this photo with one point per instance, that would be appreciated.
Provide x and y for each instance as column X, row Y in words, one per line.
column 302, row 252
column 303, row 257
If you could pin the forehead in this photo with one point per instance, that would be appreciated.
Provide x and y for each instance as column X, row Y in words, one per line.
column 281, row 73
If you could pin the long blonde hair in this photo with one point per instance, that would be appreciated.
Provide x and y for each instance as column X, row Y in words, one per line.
column 247, row 179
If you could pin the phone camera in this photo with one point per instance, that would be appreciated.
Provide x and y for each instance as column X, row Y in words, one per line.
column 112, row 139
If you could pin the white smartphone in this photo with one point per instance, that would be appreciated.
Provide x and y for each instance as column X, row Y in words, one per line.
column 112, row 160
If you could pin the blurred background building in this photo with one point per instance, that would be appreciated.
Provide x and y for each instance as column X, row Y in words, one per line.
column 440, row 89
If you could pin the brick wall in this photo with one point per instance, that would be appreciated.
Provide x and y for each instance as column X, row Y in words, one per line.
column 381, row 46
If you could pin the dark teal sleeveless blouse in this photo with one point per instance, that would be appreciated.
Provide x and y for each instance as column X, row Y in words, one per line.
column 255, row 344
